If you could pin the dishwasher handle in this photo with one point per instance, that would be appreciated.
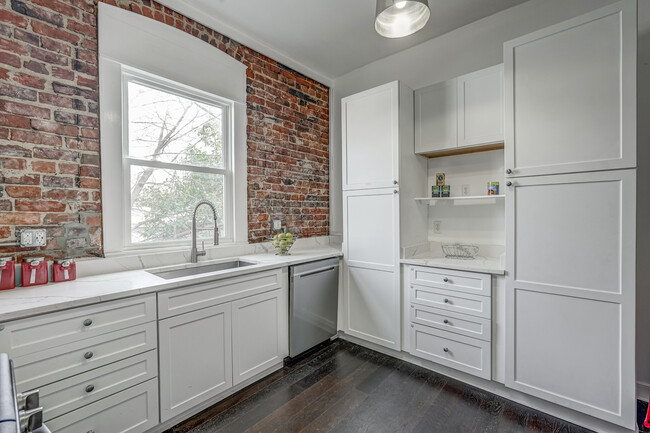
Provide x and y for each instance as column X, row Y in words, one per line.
column 316, row 271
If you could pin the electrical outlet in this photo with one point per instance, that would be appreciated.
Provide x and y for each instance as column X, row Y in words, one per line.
column 436, row 226
column 466, row 190
column 277, row 224
column 32, row 238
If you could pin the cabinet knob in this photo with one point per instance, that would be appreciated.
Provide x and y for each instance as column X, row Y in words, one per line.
column 88, row 355
column 446, row 322
column 446, row 301
column 412, row 306
column 508, row 183
column 90, row 388
column 394, row 182
column 508, row 171
column 445, row 350
column 88, row 322
column 395, row 191
column 412, row 325
column 446, row 280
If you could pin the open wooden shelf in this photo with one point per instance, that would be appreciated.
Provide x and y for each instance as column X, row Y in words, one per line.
column 463, row 150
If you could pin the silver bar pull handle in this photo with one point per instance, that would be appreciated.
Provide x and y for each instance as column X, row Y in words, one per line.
column 316, row 271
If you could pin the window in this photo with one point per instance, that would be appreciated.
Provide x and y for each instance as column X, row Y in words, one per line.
column 177, row 151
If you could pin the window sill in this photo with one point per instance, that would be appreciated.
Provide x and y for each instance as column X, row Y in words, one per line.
column 180, row 249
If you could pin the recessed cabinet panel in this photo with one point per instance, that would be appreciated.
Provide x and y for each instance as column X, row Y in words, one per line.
column 480, row 107
column 577, row 356
column 195, row 358
column 370, row 137
column 436, row 117
column 371, row 232
column 373, row 306
column 571, row 95
column 568, row 233
column 259, row 328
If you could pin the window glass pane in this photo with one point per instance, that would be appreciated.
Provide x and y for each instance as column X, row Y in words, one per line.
column 162, row 202
column 170, row 128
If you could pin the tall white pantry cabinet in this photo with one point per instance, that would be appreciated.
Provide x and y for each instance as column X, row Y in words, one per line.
column 381, row 177
column 570, row 147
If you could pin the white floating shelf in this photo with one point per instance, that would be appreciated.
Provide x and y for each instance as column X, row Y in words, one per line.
column 470, row 199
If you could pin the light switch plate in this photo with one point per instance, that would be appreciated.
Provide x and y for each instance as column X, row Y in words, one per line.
column 32, row 238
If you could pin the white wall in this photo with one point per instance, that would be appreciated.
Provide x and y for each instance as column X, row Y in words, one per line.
column 478, row 222
column 470, row 48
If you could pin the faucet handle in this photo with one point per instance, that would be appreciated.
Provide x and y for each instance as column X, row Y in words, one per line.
column 203, row 245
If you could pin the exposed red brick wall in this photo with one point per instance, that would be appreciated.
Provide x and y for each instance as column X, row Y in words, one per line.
column 49, row 128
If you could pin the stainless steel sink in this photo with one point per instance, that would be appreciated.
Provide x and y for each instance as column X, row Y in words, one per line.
column 203, row 269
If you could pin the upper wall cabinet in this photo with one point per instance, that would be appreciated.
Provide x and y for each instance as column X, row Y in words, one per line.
column 370, row 126
column 570, row 95
column 464, row 111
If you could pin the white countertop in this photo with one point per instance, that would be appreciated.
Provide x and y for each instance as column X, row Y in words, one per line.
column 486, row 265
column 28, row 301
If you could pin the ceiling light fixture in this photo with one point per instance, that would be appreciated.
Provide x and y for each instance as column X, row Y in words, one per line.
column 396, row 19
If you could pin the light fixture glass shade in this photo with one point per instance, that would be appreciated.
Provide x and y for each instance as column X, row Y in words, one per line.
column 399, row 18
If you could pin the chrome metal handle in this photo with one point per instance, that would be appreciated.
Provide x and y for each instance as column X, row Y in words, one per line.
column 395, row 191
column 90, row 388
column 88, row 355
column 446, row 301
column 88, row 322
column 394, row 182
column 508, row 183
column 28, row 400
column 31, row 420
column 446, row 280
column 508, row 171
column 446, row 322
column 445, row 350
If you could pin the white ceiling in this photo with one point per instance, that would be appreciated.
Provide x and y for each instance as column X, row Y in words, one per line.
column 325, row 39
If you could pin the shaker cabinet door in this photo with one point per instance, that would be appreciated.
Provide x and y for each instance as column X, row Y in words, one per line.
column 571, row 95
column 370, row 124
column 571, row 291
column 480, row 107
column 436, row 117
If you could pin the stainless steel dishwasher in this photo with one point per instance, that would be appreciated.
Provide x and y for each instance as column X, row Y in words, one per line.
column 313, row 304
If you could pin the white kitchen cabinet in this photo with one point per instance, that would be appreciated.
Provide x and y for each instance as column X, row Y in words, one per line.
column 370, row 125
column 378, row 126
column 571, row 95
column 259, row 333
column 371, row 271
column 570, row 297
column 436, row 117
column 134, row 410
column 195, row 358
column 480, row 107
column 462, row 112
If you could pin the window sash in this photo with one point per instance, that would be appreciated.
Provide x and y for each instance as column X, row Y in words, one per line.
column 132, row 75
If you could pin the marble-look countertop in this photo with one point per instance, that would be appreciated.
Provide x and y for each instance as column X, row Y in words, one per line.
column 28, row 301
column 486, row 265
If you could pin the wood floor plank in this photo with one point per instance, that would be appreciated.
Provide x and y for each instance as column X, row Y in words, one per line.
column 345, row 388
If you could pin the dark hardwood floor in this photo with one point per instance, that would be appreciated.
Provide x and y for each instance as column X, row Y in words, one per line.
column 347, row 388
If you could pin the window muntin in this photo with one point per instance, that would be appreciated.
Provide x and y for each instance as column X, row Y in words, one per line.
column 176, row 152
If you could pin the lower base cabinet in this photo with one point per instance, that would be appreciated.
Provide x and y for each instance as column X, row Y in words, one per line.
column 134, row 410
column 195, row 358
column 204, row 353
column 259, row 334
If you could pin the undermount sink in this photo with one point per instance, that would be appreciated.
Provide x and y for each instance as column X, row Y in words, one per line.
column 170, row 274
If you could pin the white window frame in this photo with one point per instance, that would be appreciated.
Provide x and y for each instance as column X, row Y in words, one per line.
column 131, row 75
column 132, row 41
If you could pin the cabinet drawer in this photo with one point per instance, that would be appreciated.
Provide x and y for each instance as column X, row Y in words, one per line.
column 42, row 368
column 471, row 326
column 77, row 391
column 179, row 301
column 464, row 303
column 456, row 351
column 134, row 410
column 458, row 281
column 25, row 336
